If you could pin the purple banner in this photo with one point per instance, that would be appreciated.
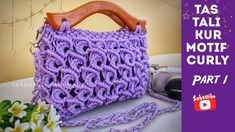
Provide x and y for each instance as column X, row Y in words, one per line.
column 208, row 36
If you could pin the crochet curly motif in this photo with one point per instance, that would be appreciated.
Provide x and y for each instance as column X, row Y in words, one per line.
column 79, row 70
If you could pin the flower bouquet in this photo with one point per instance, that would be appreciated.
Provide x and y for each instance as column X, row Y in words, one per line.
column 25, row 117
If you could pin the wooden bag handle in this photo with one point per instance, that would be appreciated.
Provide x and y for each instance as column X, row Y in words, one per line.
column 116, row 13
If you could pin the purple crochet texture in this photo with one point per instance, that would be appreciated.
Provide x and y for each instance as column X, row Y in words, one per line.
column 79, row 70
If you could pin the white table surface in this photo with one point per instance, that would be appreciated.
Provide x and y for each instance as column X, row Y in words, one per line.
column 168, row 122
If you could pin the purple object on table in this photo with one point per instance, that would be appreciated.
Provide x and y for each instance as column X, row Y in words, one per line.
column 79, row 70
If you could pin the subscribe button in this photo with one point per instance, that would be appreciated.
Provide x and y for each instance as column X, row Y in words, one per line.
column 204, row 102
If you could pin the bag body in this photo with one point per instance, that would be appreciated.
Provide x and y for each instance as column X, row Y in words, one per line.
column 79, row 70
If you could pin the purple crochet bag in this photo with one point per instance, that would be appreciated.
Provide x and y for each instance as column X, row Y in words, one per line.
column 79, row 70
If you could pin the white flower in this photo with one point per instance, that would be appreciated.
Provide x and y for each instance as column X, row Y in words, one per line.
column 52, row 127
column 18, row 127
column 36, row 127
column 36, row 122
column 17, row 110
column 53, row 121
column 43, row 107
column 52, row 116
column 36, row 118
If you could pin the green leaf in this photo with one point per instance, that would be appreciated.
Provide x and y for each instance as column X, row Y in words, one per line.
column 17, row 101
column 29, row 110
column 6, row 124
column 4, row 106
column 4, row 114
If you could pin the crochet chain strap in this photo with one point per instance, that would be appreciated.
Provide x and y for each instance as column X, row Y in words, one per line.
column 150, row 110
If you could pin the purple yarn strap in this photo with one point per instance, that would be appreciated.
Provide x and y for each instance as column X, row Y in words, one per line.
column 36, row 89
column 138, row 28
column 147, row 109
column 64, row 26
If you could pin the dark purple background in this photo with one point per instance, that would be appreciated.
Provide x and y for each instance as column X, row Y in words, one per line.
column 223, row 118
